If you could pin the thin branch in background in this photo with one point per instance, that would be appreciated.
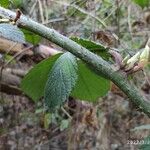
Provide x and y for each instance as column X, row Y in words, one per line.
column 46, row 10
column 94, row 21
column 122, row 43
column 83, row 11
column 9, row 61
column 110, row 14
column 53, row 20
column 1, row 71
column 10, row 49
column 80, row 25
column 118, row 17
column 113, row 9
column 16, row 55
column 79, row 5
column 4, row 65
column 129, row 22
column 65, row 112
column 33, row 8
column 41, row 10
column 77, row 1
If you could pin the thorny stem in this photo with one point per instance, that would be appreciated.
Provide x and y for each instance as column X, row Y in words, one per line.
column 99, row 65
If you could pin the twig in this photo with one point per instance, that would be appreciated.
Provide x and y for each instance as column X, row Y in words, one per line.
column 62, row 108
column 14, row 44
column 16, row 55
column 1, row 69
column 53, row 20
column 100, row 66
column 118, row 17
column 41, row 11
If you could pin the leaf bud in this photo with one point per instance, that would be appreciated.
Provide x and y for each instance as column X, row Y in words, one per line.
column 144, row 57
column 134, row 59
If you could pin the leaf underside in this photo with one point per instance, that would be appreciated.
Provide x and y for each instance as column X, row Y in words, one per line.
column 61, row 81
column 12, row 33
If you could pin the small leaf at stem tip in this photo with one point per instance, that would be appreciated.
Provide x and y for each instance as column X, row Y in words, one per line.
column 134, row 59
column 144, row 57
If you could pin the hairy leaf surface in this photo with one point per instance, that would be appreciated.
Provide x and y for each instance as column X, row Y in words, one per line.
column 12, row 33
column 62, row 79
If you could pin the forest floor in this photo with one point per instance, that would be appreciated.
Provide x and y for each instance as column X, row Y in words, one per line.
column 23, row 129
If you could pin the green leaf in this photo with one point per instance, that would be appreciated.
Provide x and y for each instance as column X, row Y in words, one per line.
column 34, row 82
column 17, row 3
column 142, row 3
column 31, row 37
column 12, row 33
column 142, row 127
column 61, row 80
column 93, row 47
column 89, row 86
column 146, row 144
column 64, row 124
column 4, row 3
